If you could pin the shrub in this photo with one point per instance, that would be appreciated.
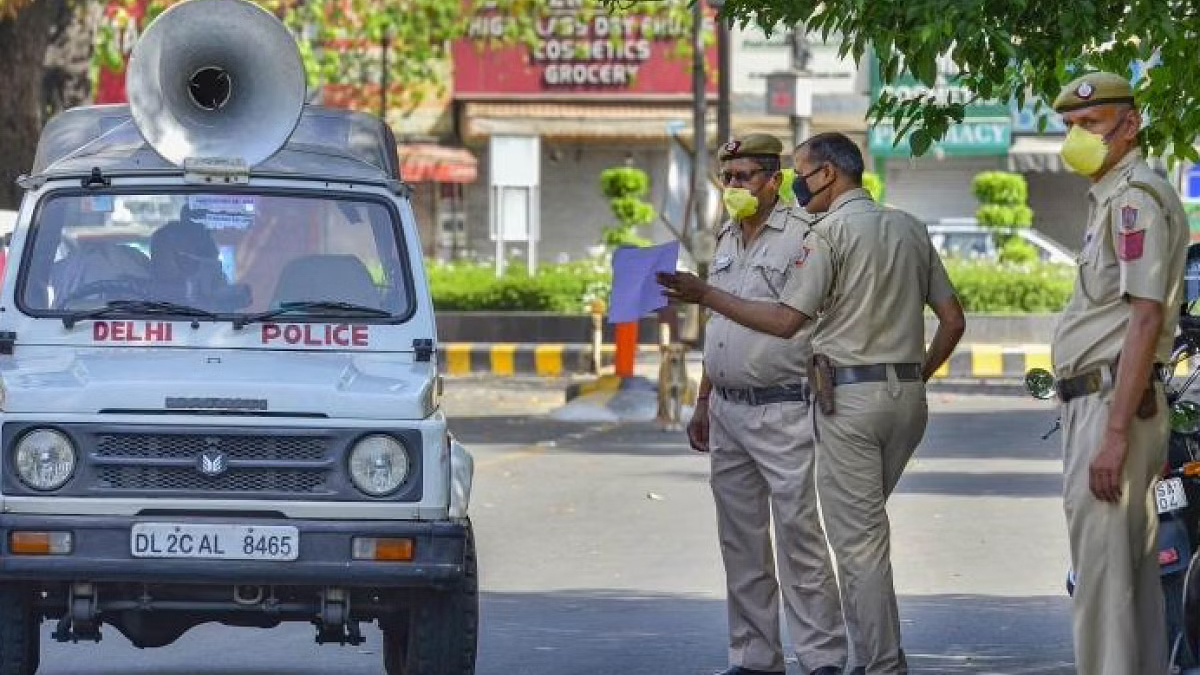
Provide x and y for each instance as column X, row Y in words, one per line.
column 1034, row 287
column 564, row 287
column 1000, row 187
column 1002, row 208
column 1003, row 217
column 1018, row 251
column 625, row 186
column 568, row 287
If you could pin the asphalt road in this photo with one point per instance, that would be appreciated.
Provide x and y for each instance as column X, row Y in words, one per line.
column 598, row 554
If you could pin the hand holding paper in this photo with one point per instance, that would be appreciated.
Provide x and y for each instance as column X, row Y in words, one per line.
column 635, row 288
column 683, row 286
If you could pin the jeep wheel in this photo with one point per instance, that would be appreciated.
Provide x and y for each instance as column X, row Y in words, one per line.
column 20, row 634
column 440, row 634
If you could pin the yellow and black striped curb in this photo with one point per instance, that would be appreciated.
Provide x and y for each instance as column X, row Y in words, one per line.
column 1003, row 362
column 549, row 359
column 974, row 361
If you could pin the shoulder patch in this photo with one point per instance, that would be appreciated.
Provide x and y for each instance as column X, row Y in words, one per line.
column 1129, row 217
column 802, row 257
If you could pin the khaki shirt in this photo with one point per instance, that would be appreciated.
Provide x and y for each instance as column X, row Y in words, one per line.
column 736, row 356
column 1136, row 246
column 868, row 273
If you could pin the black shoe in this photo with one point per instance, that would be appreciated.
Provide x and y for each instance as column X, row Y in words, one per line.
column 827, row 670
column 738, row 670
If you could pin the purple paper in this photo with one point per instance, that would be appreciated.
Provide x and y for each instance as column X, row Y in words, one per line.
column 635, row 291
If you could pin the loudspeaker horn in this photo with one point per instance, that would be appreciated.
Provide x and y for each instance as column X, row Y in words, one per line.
column 216, row 79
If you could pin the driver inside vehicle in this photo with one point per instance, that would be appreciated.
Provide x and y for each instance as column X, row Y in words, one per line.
column 185, row 266
column 92, row 264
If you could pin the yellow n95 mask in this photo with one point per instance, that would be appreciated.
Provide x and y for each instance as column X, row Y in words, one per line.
column 1085, row 151
column 739, row 202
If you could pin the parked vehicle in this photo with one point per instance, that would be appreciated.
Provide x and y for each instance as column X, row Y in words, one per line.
column 220, row 390
column 966, row 238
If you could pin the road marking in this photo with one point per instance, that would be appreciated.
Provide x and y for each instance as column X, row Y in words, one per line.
column 985, row 466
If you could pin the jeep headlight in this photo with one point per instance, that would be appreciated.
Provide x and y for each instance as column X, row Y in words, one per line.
column 45, row 459
column 378, row 464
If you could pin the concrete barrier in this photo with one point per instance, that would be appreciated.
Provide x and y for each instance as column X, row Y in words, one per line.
column 969, row 362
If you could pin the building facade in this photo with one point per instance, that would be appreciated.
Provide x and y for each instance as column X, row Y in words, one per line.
column 545, row 118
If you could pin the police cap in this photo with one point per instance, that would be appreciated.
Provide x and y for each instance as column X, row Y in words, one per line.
column 755, row 146
column 1091, row 89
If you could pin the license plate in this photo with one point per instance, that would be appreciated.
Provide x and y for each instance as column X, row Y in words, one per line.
column 1169, row 495
column 219, row 542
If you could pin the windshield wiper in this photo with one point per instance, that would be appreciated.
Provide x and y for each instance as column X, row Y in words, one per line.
column 313, row 308
column 136, row 306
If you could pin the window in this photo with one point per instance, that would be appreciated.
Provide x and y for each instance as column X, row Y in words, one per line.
column 228, row 253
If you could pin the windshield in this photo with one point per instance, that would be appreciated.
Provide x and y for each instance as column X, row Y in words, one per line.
column 228, row 254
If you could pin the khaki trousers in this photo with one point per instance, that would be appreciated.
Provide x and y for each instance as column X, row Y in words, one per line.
column 1119, row 624
column 762, row 466
column 862, row 450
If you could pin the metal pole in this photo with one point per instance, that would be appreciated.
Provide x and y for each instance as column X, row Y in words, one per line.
column 800, row 130
column 384, row 78
column 699, row 115
column 724, row 78
column 700, row 152
column 498, row 219
column 801, row 53
column 531, row 200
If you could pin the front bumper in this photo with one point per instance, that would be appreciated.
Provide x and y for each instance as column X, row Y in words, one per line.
column 101, row 553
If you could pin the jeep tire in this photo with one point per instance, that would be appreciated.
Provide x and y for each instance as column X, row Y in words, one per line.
column 440, row 634
column 20, row 632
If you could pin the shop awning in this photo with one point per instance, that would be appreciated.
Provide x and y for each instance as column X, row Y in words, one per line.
column 430, row 162
column 1036, row 153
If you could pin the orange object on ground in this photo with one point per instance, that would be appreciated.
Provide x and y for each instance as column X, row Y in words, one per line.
column 627, row 343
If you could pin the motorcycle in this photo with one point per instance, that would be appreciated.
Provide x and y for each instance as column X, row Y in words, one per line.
column 1177, row 491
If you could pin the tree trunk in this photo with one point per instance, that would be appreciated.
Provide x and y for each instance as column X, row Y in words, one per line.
column 67, row 80
column 21, row 76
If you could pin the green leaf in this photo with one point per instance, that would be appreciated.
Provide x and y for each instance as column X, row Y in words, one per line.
column 920, row 140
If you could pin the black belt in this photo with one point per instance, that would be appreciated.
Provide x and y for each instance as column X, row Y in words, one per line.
column 1086, row 384
column 764, row 395
column 905, row 372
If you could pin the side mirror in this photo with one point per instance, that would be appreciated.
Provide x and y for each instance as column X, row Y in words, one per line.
column 1185, row 417
column 1039, row 382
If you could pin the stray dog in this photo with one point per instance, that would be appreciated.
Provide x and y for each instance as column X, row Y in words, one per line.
column 674, row 387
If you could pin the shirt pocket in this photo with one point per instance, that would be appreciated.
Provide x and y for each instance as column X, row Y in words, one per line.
column 720, row 273
column 1099, row 269
column 767, row 276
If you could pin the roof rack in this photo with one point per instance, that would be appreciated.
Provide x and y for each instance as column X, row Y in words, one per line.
column 327, row 142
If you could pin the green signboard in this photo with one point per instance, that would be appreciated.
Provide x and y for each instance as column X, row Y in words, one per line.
column 975, row 136
column 986, row 128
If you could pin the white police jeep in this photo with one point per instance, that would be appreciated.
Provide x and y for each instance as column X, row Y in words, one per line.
column 220, row 398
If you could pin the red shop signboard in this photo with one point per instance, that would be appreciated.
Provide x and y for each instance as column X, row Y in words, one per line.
column 123, row 19
column 581, row 54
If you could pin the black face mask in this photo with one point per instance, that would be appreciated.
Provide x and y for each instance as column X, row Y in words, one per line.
column 800, row 188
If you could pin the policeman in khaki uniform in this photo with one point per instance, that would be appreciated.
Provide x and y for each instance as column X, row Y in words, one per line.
column 752, row 414
column 868, row 272
column 1121, row 320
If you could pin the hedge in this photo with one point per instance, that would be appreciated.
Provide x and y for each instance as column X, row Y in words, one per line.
column 562, row 287
column 991, row 287
column 568, row 287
